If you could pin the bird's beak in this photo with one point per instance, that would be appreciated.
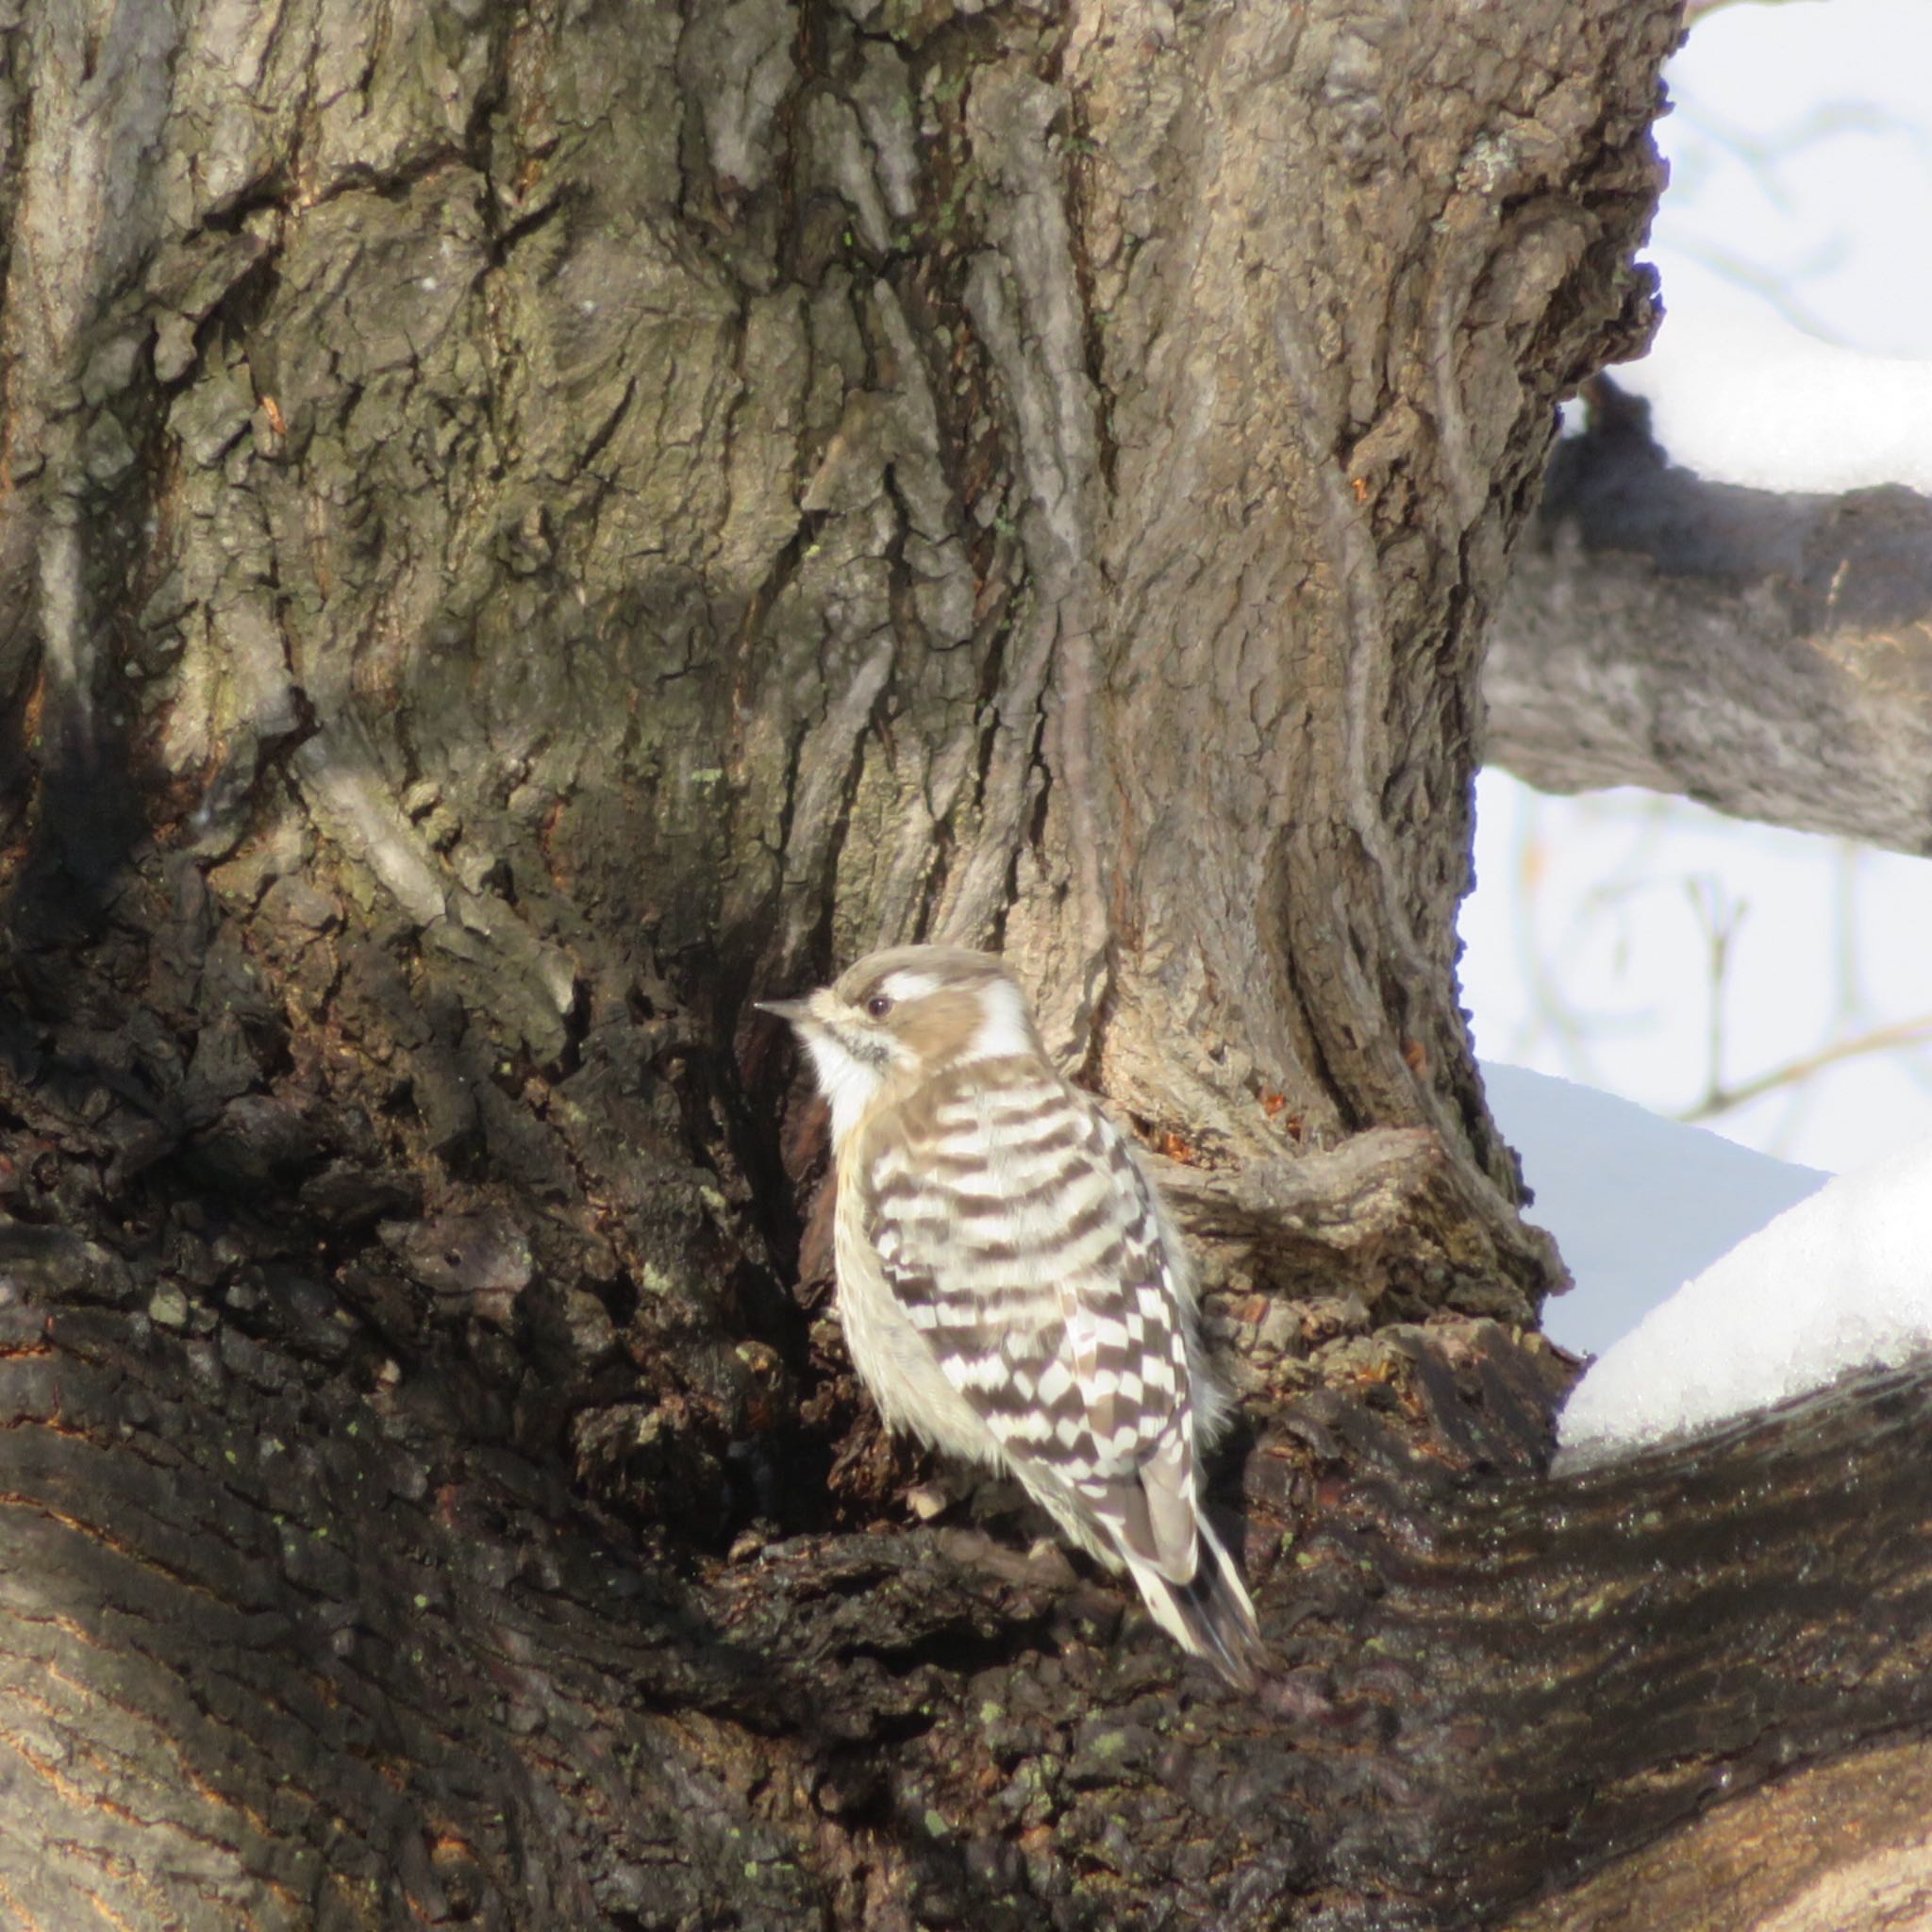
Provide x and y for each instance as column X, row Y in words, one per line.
column 792, row 1011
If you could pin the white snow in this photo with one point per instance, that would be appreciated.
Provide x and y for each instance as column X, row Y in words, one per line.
column 1799, row 152
column 1637, row 1204
column 1740, row 399
column 1841, row 1281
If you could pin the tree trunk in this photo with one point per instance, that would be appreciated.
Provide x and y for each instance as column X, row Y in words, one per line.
column 535, row 524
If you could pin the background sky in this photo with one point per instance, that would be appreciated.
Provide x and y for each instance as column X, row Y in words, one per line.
column 1798, row 227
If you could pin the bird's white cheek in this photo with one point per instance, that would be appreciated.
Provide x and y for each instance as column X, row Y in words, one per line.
column 846, row 1082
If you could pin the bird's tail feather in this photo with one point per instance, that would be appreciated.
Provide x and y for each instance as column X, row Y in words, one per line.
column 1210, row 1616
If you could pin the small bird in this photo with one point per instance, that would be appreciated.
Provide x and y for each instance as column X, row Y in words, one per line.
column 1011, row 1288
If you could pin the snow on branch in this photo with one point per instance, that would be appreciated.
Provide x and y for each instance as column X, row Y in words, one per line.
column 1770, row 655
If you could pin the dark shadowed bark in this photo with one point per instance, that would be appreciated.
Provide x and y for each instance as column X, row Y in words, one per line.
column 1770, row 656
column 528, row 524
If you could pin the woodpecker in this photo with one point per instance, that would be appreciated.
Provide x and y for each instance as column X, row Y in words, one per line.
column 1010, row 1285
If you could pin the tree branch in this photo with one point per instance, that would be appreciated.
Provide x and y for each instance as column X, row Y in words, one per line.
column 1722, row 1095
column 1770, row 656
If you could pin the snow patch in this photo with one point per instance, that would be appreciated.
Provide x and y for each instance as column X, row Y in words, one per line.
column 1637, row 1204
column 1742, row 400
column 1842, row 1281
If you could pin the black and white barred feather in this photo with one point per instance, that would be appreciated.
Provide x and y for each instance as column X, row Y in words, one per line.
column 1009, row 1286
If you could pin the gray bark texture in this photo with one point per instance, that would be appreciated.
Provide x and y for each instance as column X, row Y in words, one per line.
column 1770, row 656
column 528, row 524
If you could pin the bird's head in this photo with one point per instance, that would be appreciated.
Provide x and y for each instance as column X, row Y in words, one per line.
column 903, row 1016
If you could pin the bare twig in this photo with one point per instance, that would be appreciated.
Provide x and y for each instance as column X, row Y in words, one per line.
column 1902, row 1033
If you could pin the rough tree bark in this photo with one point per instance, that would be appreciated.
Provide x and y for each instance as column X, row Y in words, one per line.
column 1770, row 656
column 529, row 522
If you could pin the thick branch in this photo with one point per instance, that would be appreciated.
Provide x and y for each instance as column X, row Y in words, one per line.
column 474, row 1703
column 1770, row 656
column 1652, row 1640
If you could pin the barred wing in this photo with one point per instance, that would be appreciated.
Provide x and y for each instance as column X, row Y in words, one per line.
column 1022, row 1240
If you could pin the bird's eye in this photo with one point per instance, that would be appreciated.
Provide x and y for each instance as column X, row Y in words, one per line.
column 878, row 1006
